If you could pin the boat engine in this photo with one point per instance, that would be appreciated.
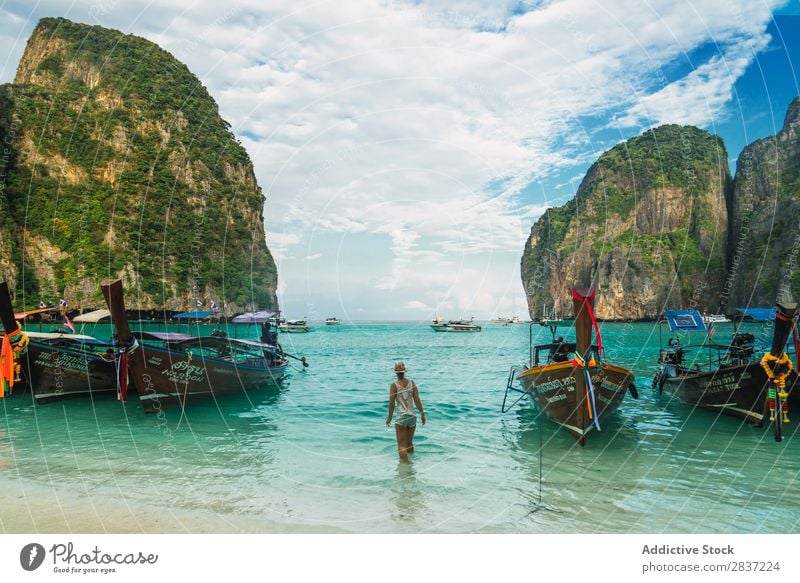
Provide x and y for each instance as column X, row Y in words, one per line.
column 560, row 350
column 742, row 347
column 673, row 354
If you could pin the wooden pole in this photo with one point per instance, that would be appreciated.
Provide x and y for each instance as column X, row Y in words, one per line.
column 583, row 341
column 783, row 327
column 113, row 294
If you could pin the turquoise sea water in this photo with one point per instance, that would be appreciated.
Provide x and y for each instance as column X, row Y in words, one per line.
column 314, row 455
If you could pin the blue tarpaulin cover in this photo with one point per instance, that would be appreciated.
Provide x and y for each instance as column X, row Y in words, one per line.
column 759, row 314
column 193, row 315
column 684, row 320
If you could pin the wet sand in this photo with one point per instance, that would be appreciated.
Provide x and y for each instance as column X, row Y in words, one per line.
column 35, row 508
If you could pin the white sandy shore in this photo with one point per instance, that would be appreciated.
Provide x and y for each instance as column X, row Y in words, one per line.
column 30, row 507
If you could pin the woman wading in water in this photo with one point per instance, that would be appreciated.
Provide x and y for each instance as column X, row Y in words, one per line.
column 404, row 395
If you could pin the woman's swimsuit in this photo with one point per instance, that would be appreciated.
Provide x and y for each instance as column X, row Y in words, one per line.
column 405, row 416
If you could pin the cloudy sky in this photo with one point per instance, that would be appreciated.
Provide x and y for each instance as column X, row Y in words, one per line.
column 406, row 147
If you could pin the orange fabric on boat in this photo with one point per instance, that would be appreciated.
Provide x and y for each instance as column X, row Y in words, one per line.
column 6, row 366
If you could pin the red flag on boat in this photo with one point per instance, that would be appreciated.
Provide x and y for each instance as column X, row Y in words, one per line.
column 68, row 324
column 711, row 331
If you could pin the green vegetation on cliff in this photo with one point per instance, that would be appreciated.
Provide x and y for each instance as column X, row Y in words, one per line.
column 648, row 227
column 122, row 166
column 764, row 247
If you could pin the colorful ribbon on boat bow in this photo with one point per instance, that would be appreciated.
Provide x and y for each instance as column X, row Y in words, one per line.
column 777, row 382
column 591, row 404
column 580, row 362
column 14, row 345
column 122, row 368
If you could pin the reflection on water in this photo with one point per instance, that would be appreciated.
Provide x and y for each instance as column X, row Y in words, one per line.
column 5, row 450
column 408, row 500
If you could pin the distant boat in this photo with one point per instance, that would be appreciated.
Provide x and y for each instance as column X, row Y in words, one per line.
column 569, row 381
column 456, row 326
column 546, row 317
column 332, row 321
column 556, row 322
column 716, row 319
column 276, row 321
column 729, row 377
column 168, row 368
column 514, row 319
column 294, row 326
column 506, row 321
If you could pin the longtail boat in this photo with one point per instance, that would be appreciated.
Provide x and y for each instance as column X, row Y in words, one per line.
column 169, row 369
column 60, row 366
column 570, row 382
column 731, row 378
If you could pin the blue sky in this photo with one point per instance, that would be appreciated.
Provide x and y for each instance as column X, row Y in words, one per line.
column 406, row 148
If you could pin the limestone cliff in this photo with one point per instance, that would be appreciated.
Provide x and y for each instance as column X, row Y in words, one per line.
column 118, row 164
column 648, row 227
column 764, row 249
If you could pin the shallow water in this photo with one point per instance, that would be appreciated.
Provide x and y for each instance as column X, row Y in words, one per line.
column 314, row 454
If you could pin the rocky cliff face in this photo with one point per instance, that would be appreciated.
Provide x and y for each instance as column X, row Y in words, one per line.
column 648, row 228
column 764, row 247
column 118, row 164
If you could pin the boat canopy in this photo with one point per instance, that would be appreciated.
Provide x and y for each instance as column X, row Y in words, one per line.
column 758, row 314
column 684, row 320
column 92, row 317
column 23, row 315
column 253, row 317
column 42, row 336
column 193, row 315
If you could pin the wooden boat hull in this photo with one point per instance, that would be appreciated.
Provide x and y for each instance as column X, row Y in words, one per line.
column 60, row 372
column 739, row 391
column 165, row 379
column 553, row 389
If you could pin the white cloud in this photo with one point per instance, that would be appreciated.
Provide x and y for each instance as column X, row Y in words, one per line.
column 701, row 95
column 279, row 244
column 417, row 305
column 423, row 121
